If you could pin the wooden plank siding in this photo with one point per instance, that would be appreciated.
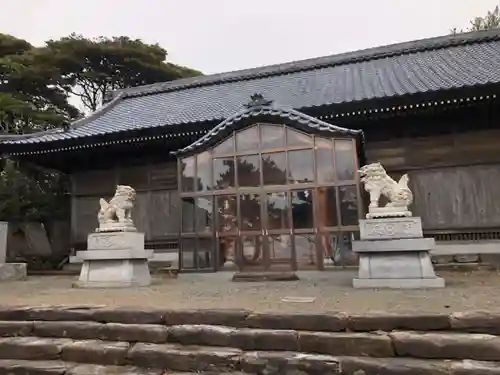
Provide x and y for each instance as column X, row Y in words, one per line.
column 458, row 197
column 156, row 210
column 455, row 178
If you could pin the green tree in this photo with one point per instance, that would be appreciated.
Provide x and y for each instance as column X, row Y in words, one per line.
column 28, row 194
column 490, row 21
column 92, row 68
column 31, row 98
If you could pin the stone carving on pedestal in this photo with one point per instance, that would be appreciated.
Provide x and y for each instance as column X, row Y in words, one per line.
column 378, row 183
column 393, row 252
column 115, row 255
column 117, row 213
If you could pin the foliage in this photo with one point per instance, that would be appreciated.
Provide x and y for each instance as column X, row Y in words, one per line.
column 35, row 86
column 30, row 97
column 490, row 21
column 92, row 68
column 28, row 194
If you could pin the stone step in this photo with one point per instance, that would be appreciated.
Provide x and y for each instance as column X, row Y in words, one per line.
column 347, row 366
column 14, row 367
column 160, row 356
column 430, row 345
column 332, row 322
column 59, row 335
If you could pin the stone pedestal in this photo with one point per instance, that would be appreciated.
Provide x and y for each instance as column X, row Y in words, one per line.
column 9, row 271
column 13, row 271
column 394, row 254
column 114, row 260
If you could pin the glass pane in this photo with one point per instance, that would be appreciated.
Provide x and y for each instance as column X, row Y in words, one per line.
column 302, row 209
column 248, row 170
column 280, row 247
column 327, row 207
column 301, row 166
column 204, row 215
column 274, row 168
column 250, row 212
column 224, row 173
column 344, row 159
column 205, row 251
column 252, row 251
column 225, row 148
column 187, row 173
column 188, row 249
column 248, row 140
column 324, row 160
column 272, row 136
column 337, row 249
column 295, row 138
column 204, row 180
column 188, row 210
column 348, row 196
column 277, row 211
column 305, row 248
column 227, row 219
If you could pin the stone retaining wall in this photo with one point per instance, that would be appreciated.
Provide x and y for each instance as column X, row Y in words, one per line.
column 472, row 322
column 94, row 340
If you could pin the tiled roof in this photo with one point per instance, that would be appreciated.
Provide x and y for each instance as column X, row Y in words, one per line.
column 260, row 108
column 430, row 65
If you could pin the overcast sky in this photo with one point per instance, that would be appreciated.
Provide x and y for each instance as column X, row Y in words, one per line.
column 222, row 35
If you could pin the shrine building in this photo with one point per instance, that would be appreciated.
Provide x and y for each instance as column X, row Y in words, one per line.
column 257, row 168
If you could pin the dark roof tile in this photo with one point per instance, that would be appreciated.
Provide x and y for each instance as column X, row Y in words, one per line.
column 443, row 63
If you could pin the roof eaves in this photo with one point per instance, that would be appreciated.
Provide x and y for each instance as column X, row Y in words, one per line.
column 13, row 138
column 317, row 63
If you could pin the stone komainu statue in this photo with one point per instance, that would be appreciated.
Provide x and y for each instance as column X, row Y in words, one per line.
column 378, row 183
column 119, row 209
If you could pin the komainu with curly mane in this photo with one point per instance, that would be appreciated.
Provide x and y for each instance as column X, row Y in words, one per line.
column 119, row 209
column 378, row 183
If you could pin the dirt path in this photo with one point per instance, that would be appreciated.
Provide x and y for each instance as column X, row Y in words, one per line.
column 331, row 292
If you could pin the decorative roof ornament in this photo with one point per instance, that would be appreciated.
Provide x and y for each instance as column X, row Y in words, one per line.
column 257, row 100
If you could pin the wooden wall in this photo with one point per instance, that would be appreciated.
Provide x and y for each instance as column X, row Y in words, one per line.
column 458, row 197
column 156, row 208
column 455, row 177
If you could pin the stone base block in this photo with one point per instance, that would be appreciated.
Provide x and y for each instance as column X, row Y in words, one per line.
column 416, row 265
column 115, row 241
column 114, row 273
column 116, row 227
column 13, row 271
column 436, row 282
column 385, row 212
column 391, row 228
column 409, row 245
column 114, row 254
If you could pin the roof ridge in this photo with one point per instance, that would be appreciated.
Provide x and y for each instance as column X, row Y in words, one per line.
column 368, row 54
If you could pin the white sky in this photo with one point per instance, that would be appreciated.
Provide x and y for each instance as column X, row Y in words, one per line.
column 222, row 35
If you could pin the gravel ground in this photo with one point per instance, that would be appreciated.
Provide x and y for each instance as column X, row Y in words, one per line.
column 331, row 289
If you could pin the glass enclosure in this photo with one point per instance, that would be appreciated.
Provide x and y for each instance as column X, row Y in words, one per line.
column 269, row 197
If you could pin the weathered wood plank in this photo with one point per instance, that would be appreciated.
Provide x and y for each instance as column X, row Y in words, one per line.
column 141, row 213
column 96, row 182
column 454, row 198
column 86, row 209
column 137, row 176
column 163, row 176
